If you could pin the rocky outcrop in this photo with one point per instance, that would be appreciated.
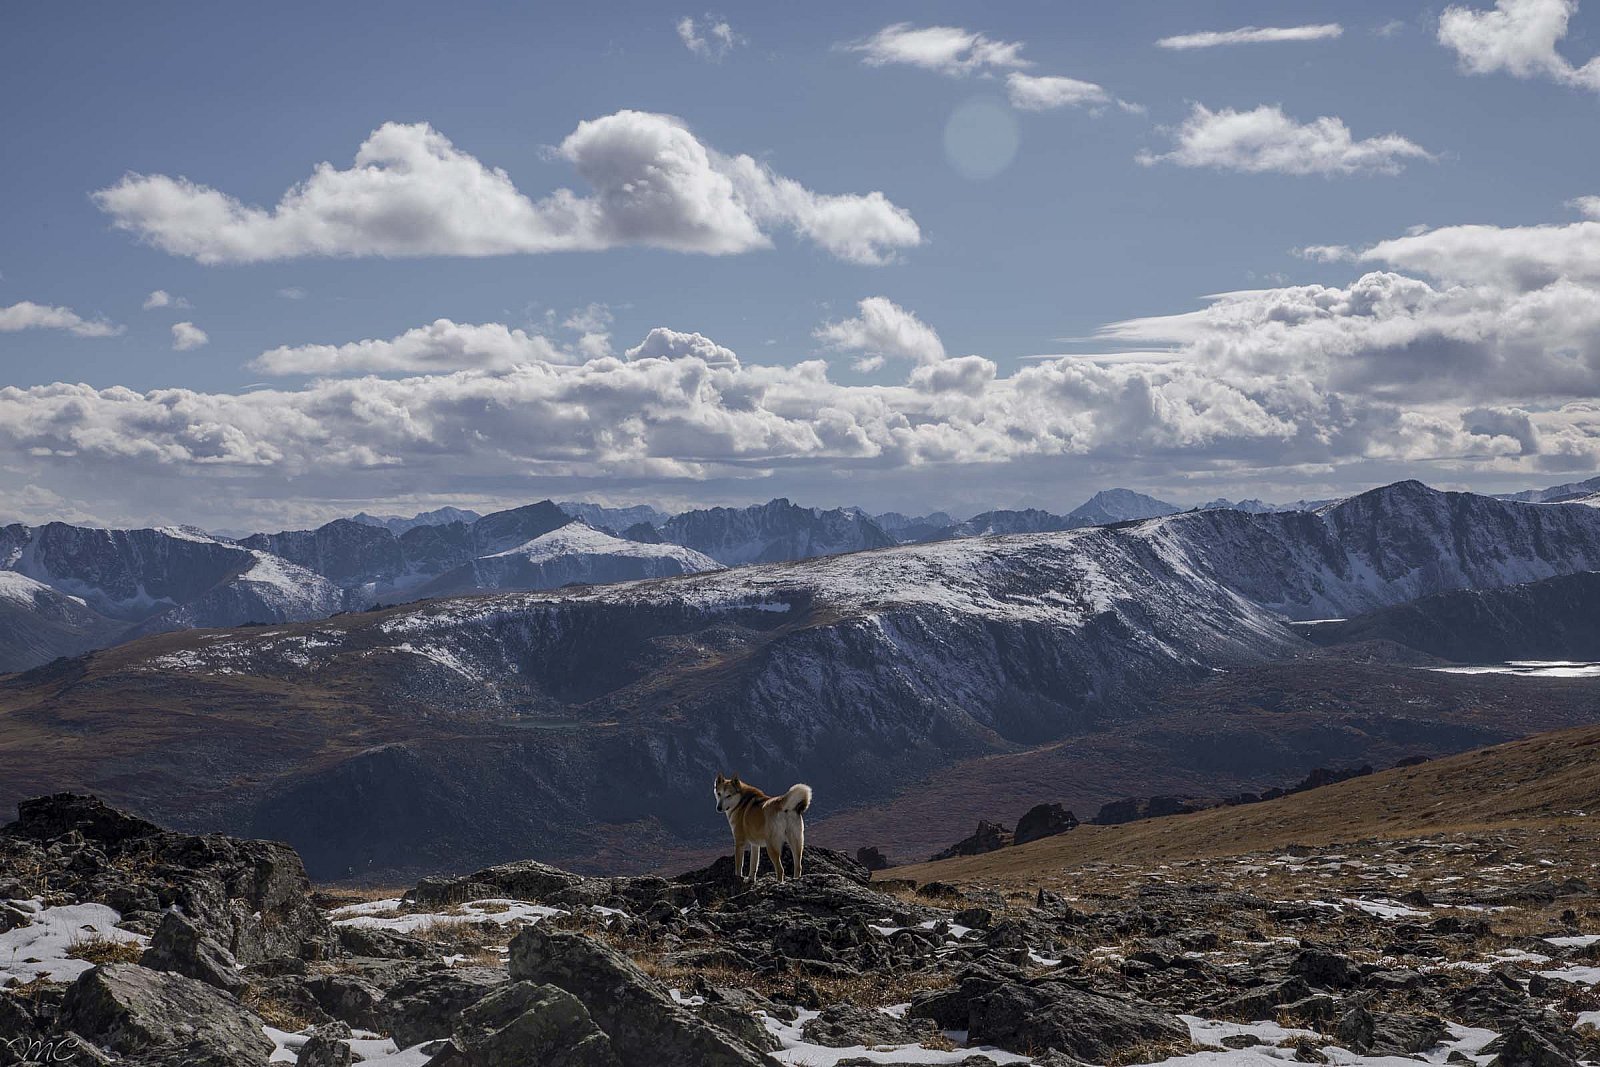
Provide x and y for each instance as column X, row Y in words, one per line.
column 986, row 838
column 1043, row 820
column 529, row 1023
column 249, row 899
column 646, row 1027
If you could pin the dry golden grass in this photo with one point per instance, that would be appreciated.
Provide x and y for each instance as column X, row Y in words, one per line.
column 1545, row 783
column 99, row 950
column 274, row 1012
column 1152, row 1052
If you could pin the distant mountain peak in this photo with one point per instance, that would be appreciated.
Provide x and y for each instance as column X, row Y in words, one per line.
column 1119, row 505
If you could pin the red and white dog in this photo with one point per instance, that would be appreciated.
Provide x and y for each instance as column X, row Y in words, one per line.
column 759, row 821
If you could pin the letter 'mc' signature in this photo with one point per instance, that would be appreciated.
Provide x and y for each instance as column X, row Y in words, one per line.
column 43, row 1052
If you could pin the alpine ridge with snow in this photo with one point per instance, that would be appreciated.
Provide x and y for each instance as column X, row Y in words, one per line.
column 609, row 704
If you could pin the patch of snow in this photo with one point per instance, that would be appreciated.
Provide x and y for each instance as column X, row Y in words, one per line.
column 799, row 1052
column 366, row 1047
column 495, row 910
column 1573, row 940
column 1529, row 668
column 1212, row 1031
column 1384, row 909
column 1577, row 975
column 39, row 949
column 20, row 589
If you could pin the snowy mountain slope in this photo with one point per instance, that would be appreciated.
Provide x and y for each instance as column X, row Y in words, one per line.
column 268, row 590
column 72, row 588
column 776, row 530
column 1380, row 548
column 574, row 554
column 123, row 574
column 37, row 623
column 370, row 561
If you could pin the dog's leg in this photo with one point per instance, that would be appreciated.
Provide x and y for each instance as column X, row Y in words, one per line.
column 739, row 850
column 797, row 845
column 775, row 853
column 755, row 861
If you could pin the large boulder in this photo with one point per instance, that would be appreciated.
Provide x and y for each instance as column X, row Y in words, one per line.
column 646, row 1026
column 844, row 1025
column 1043, row 820
column 525, row 1024
column 163, row 1017
column 1019, row 1016
column 181, row 947
column 425, row 1007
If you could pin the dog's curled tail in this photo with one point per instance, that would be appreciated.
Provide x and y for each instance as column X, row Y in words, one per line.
column 797, row 799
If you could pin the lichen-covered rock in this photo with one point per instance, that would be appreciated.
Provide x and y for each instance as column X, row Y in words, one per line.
column 183, row 948
column 425, row 1008
column 525, row 1024
column 844, row 1025
column 137, row 1011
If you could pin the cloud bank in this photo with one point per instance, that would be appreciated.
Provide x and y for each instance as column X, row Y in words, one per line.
column 1473, row 347
column 411, row 192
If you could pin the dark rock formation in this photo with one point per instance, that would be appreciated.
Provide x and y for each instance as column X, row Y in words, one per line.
column 646, row 1027
column 986, row 838
column 1043, row 820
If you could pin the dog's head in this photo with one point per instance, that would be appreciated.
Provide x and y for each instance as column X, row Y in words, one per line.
column 727, row 791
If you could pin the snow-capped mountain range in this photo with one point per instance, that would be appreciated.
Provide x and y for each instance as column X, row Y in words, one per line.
column 536, row 711
column 88, row 587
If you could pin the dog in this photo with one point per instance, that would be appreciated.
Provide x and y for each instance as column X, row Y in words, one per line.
column 758, row 821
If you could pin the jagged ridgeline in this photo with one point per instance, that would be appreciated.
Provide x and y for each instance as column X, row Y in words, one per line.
column 583, row 724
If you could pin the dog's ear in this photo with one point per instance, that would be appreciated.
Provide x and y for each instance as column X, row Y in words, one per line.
column 735, row 780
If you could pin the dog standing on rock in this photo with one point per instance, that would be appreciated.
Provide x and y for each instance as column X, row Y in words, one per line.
column 759, row 821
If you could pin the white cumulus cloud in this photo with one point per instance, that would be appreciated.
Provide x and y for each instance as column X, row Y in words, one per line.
column 160, row 298
column 1030, row 92
column 883, row 330
column 1517, row 37
column 1265, row 140
column 1252, row 35
column 186, row 335
column 664, row 343
column 30, row 316
column 948, row 50
column 411, row 192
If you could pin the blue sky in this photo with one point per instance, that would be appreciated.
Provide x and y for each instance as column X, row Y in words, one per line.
column 1177, row 173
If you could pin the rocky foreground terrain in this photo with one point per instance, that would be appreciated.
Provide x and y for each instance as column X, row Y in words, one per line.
column 124, row 943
